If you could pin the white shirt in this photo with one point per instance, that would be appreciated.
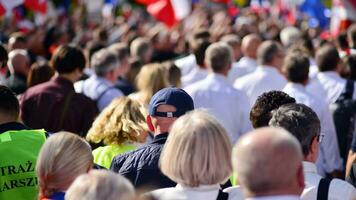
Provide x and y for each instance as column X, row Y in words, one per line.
column 329, row 86
column 263, row 79
column 329, row 157
column 195, row 75
column 186, row 64
column 338, row 189
column 228, row 105
column 244, row 66
column 98, row 89
column 180, row 192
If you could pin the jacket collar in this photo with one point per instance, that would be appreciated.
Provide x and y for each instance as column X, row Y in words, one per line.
column 12, row 126
column 160, row 138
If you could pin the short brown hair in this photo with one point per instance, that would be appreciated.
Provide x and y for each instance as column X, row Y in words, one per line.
column 327, row 58
column 296, row 67
column 68, row 58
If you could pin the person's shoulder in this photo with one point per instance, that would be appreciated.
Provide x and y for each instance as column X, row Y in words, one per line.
column 235, row 192
column 342, row 187
column 164, row 193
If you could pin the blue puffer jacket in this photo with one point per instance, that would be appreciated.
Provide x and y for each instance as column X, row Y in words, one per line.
column 141, row 165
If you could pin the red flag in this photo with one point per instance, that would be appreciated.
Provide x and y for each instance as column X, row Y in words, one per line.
column 2, row 10
column 170, row 12
column 37, row 5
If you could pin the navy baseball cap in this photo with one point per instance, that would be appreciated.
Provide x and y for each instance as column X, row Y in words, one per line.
column 171, row 96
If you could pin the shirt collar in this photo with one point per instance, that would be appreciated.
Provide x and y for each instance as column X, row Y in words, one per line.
column 309, row 167
column 102, row 80
column 12, row 126
column 296, row 86
column 268, row 69
column 278, row 197
column 200, row 187
column 63, row 81
column 248, row 60
column 218, row 77
column 331, row 74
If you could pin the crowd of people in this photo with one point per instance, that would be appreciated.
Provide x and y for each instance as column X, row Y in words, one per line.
column 214, row 108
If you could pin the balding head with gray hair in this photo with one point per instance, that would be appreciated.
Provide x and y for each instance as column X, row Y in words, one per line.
column 268, row 161
column 218, row 57
column 104, row 61
column 290, row 35
column 270, row 53
column 19, row 62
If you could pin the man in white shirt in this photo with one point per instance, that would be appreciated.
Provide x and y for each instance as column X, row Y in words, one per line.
column 247, row 63
column 267, row 76
column 100, row 86
column 296, row 69
column 268, row 162
column 329, row 84
column 187, row 63
column 229, row 105
column 303, row 123
column 199, row 72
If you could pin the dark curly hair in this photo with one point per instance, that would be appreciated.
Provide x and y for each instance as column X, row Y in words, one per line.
column 260, row 113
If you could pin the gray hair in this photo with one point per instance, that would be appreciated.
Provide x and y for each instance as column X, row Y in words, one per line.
column 218, row 56
column 139, row 47
column 290, row 35
column 104, row 61
column 267, row 160
column 100, row 184
column 267, row 51
column 13, row 55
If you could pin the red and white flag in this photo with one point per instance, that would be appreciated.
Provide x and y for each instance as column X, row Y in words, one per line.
column 343, row 14
column 6, row 6
column 170, row 12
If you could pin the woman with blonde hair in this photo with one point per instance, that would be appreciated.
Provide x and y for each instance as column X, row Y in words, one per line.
column 63, row 157
column 119, row 126
column 150, row 79
column 197, row 155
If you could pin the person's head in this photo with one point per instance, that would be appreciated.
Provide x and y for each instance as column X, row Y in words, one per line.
column 199, row 49
column 234, row 42
column 3, row 56
column 122, row 121
column 17, row 41
column 197, row 151
column 39, row 73
column 68, row 60
column 141, row 48
column 19, row 62
column 327, row 58
column 9, row 105
column 91, row 48
column 134, row 69
column 250, row 44
column 268, row 162
column 218, row 58
column 270, row 53
column 174, row 74
column 165, row 107
column 296, row 67
column 150, row 79
column 106, row 64
column 100, row 184
column 302, row 122
column 261, row 111
column 290, row 35
column 351, row 36
column 123, row 54
column 341, row 41
column 101, row 35
column 63, row 157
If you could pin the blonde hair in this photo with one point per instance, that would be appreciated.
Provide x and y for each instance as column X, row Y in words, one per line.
column 62, row 158
column 100, row 184
column 122, row 121
column 197, row 152
column 150, row 79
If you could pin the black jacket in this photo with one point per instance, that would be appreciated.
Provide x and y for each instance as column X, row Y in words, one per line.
column 141, row 166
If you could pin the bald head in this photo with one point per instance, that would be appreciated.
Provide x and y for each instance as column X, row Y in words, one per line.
column 268, row 162
column 19, row 62
column 250, row 44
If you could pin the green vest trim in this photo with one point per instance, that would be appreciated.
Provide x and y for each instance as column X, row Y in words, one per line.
column 19, row 152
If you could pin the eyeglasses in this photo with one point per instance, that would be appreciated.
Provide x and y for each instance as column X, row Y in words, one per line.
column 319, row 137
